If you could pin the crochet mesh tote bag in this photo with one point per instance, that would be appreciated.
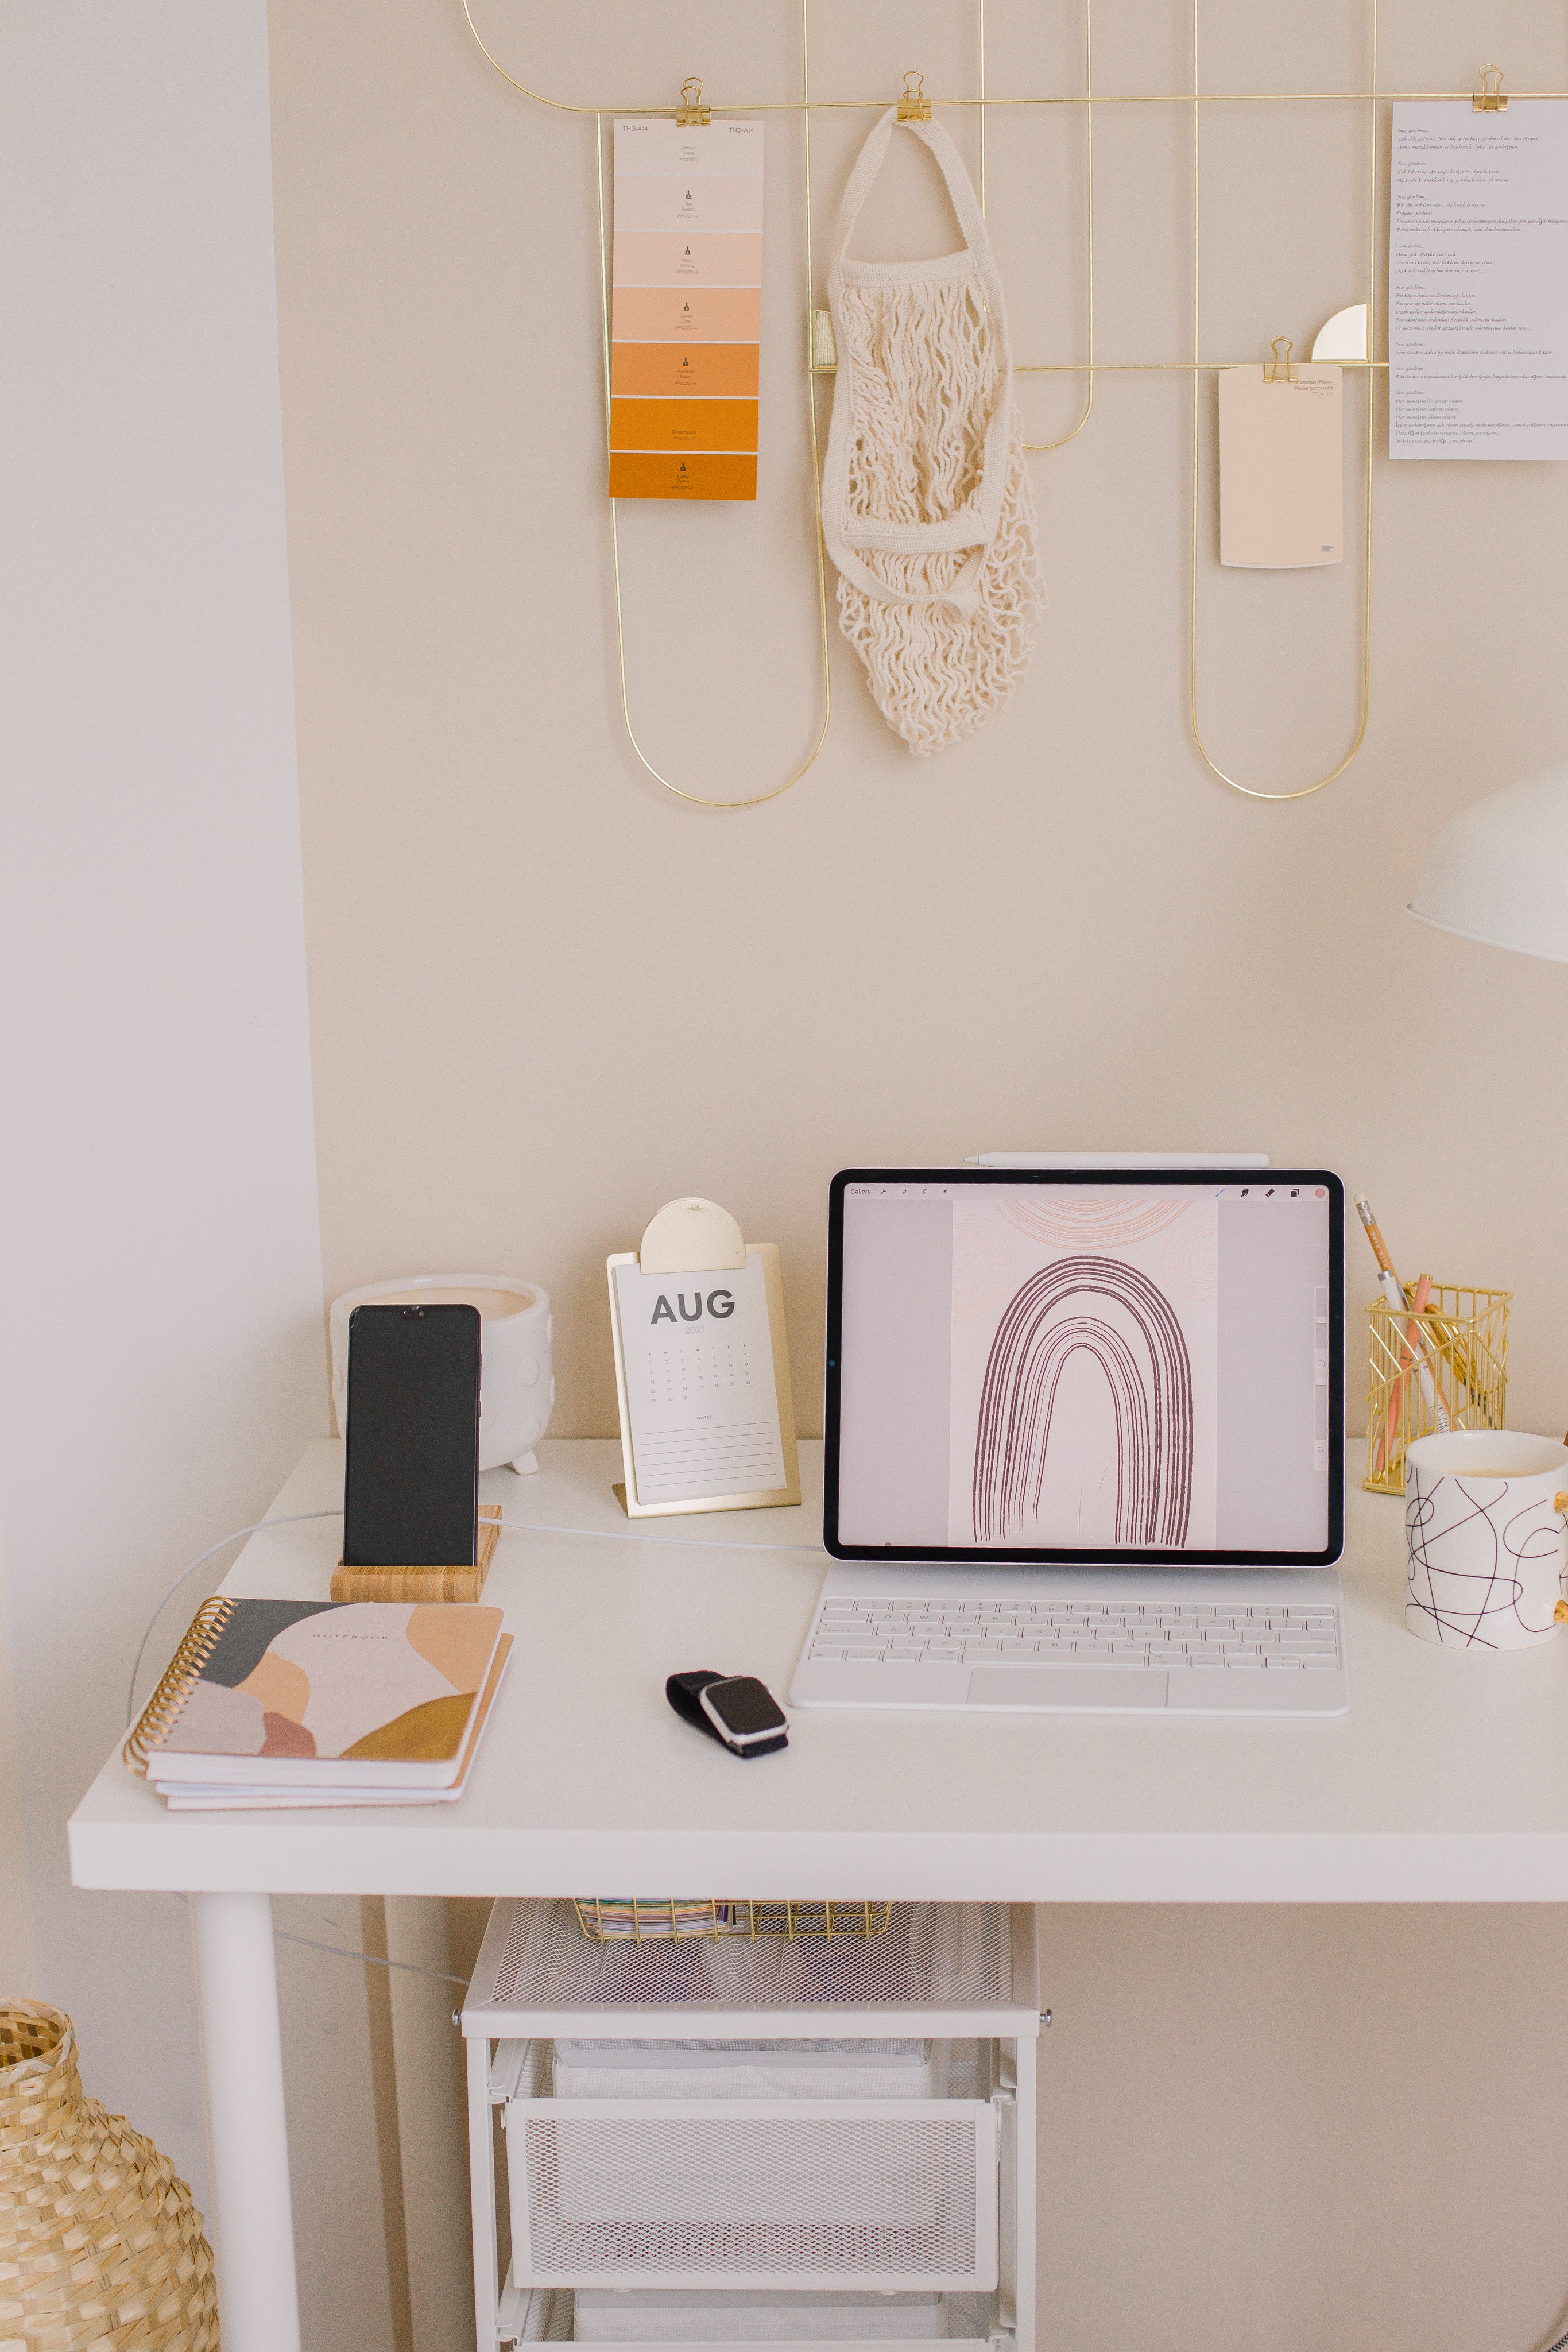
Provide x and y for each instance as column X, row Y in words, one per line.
column 928, row 509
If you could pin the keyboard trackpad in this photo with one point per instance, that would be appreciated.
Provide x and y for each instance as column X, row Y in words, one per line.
column 1067, row 1686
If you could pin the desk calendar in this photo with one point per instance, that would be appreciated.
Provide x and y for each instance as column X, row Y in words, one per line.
column 701, row 1375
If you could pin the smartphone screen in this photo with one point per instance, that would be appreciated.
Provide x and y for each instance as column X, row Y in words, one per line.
column 410, row 1490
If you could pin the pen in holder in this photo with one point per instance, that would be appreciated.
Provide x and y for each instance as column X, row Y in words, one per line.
column 1449, row 1347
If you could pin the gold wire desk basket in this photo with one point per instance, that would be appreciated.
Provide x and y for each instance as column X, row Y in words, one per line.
column 677, row 1918
column 1455, row 1348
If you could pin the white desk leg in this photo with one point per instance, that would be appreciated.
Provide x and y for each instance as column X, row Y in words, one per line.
column 252, row 2219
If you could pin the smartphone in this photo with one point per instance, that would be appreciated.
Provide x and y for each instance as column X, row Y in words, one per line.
column 411, row 1489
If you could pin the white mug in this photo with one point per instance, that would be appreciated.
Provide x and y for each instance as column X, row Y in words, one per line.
column 516, row 1388
column 1484, row 1537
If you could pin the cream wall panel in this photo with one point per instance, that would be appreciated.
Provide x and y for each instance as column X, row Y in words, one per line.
column 16, row 1904
column 160, row 1259
column 1064, row 931
column 545, row 999
column 1294, row 2128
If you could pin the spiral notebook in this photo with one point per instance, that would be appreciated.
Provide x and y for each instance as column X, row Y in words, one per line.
column 381, row 1700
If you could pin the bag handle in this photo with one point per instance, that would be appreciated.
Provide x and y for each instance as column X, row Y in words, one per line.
column 963, row 591
column 960, row 187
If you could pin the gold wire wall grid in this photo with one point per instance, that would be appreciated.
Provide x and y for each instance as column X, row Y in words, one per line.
column 1302, row 792
column 1490, row 97
column 1454, row 1348
column 181, row 1674
column 679, row 1918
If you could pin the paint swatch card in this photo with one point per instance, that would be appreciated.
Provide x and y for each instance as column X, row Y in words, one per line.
column 686, row 314
column 1281, row 468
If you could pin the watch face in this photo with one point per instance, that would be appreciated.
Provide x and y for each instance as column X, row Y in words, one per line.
column 745, row 1706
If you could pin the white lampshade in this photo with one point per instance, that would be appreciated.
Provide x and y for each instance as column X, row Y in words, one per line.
column 1499, row 872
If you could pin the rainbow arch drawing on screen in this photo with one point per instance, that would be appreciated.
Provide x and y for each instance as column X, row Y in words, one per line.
column 1128, row 1327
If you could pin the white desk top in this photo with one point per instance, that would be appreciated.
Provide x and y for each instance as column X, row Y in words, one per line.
column 1447, row 1781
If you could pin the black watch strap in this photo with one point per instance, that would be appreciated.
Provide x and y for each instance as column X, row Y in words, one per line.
column 683, row 1692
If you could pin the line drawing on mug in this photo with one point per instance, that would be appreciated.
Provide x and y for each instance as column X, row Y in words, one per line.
column 1128, row 1327
column 1434, row 1553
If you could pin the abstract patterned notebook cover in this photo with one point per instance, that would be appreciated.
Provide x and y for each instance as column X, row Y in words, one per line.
column 269, row 1691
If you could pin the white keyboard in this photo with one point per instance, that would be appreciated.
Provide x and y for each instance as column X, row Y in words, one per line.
column 1077, row 1640
column 865, row 1629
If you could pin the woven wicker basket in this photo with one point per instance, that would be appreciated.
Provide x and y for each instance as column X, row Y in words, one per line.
column 99, row 2244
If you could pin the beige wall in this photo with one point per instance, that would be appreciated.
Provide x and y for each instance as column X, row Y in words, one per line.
column 545, row 998
column 16, row 1977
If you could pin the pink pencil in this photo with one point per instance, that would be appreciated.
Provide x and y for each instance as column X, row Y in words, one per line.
column 1396, row 1393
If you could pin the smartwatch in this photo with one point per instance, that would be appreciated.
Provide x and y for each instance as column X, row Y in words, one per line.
column 737, row 1710
column 742, row 1710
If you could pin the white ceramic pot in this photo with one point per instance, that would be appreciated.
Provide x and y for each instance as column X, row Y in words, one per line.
column 516, row 1387
column 1484, row 1537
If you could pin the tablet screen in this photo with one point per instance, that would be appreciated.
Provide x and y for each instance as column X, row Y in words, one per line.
column 1051, row 1366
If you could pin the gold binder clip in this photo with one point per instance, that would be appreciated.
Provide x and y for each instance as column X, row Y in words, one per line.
column 1490, row 97
column 1281, row 370
column 691, row 109
column 914, row 105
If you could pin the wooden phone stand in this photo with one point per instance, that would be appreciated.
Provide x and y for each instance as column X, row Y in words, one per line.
column 423, row 1584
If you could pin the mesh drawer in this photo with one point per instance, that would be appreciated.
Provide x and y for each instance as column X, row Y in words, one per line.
column 778, row 2195
column 931, row 1955
column 546, row 2315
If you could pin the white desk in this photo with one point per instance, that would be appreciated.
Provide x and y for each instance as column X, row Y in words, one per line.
column 1447, row 1781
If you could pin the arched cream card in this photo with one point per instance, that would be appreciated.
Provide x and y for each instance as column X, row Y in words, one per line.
column 702, row 1368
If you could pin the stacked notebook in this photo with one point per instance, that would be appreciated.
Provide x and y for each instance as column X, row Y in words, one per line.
column 296, row 1703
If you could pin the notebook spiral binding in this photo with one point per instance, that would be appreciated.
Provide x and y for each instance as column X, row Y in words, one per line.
column 180, row 1677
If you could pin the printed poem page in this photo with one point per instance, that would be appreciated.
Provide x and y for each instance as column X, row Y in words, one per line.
column 1478, row 281
column 700, row 1394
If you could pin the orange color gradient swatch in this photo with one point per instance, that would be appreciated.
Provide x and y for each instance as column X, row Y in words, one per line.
column 687, row 310
column 688, row 371
column 641, row 474
column 729, row 424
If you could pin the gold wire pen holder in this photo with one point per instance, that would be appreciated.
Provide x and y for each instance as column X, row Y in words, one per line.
column 1455, row 1348
column 678, row 1919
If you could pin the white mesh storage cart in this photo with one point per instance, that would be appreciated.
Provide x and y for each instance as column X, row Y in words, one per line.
column 745, row 2136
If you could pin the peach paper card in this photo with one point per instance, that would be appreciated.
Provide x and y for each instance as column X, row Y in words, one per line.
column 1281, row 468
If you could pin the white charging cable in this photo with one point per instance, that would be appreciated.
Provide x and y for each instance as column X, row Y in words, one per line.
column 293, row 1520
column 508, row 1528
